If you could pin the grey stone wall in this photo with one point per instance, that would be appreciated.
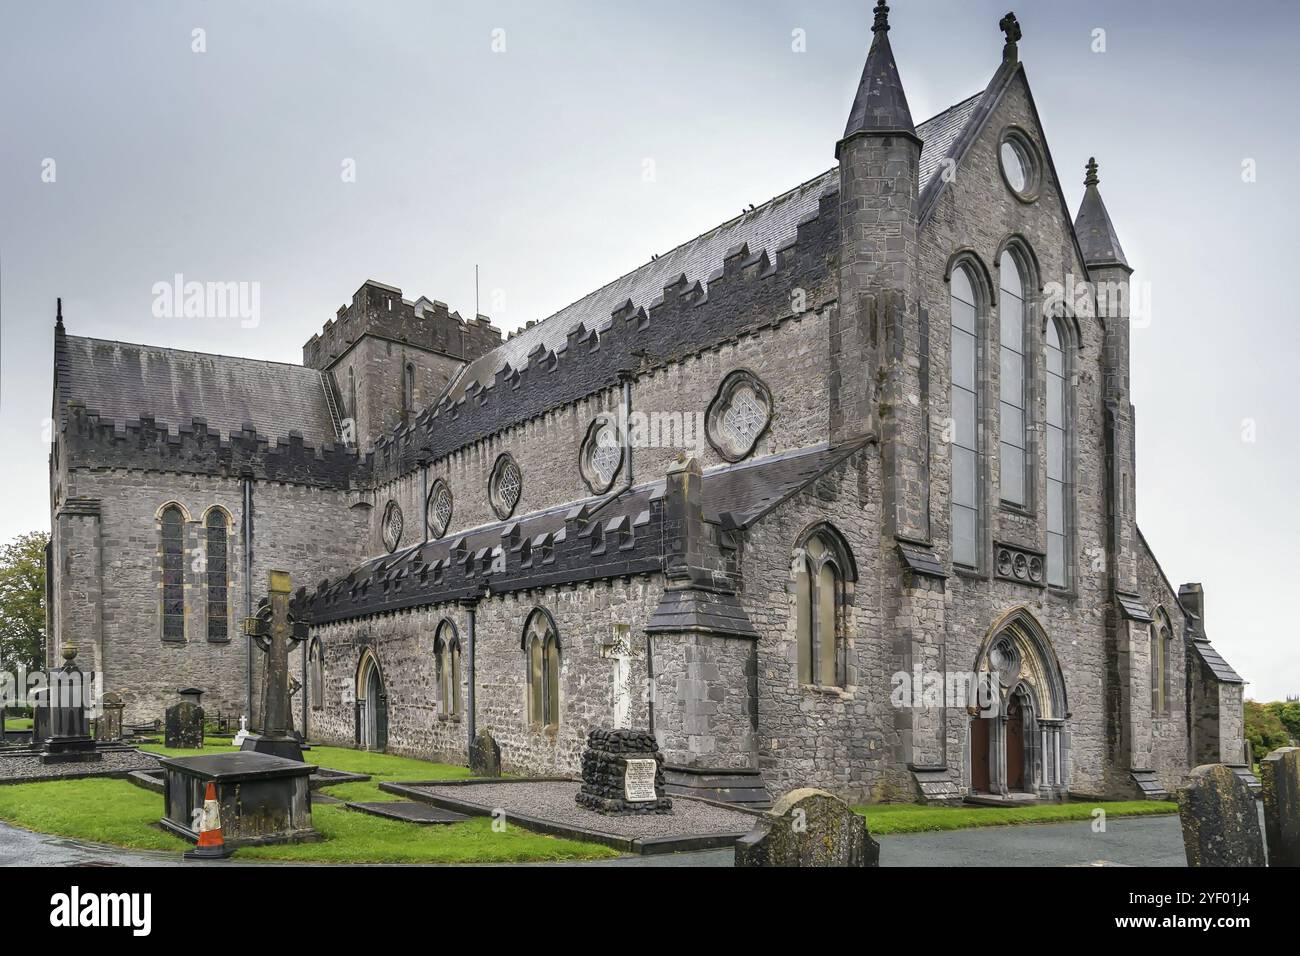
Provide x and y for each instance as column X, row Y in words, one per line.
column 310, row 532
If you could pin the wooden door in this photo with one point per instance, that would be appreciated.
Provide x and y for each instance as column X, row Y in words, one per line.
column 1015, row 746
column 979, row 754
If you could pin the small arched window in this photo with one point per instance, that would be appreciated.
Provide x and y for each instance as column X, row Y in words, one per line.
column 820, row 573
column 173, row 574
column 408, row 388
column 316, row 676
column 446, row 648
column 542, row 656
column 217, row 576
column 1058, row 450
column 1014, row 426
column 352, row 393
column 965, row 418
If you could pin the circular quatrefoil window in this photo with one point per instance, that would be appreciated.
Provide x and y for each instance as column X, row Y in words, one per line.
column 1018, row 159
column 601, row 458
column 391, row 528
column 505, row 486
column 738, row 415
column 439, row 508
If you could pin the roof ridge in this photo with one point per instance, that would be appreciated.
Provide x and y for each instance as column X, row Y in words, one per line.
column 165, row 348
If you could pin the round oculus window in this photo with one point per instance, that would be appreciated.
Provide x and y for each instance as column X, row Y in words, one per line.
column 440, row 507
column 601, row 455
column 1018, row 160
column 505, row 486
column 391, row 527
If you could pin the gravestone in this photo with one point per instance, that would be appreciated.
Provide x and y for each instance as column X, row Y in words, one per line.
column 623, row 773
column 1220, row 822
column 485, row 756
column 275, row 632
column 69, row 739
column 808, row 828
column 1281, row 786
column 109, row 727
column 262, row 799
column 243, row 733
column 183, row 728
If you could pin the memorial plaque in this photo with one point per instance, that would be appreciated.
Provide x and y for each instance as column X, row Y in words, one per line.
column 639, row 780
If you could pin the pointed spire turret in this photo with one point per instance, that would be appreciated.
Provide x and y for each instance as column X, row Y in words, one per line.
column 1097, row 237
column 880, row 107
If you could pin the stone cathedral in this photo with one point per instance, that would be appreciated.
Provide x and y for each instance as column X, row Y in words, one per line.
column 839, row 494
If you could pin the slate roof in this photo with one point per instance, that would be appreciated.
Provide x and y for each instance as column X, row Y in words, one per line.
column 1212, row 659
column 124, row 382
column 564, row 545
column 766, row 228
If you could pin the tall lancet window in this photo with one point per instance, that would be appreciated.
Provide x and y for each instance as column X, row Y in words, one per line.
column 217, row 576
column 1013, row 461
column 965, row 417
column 1058, row 449
column 173, row 574
column 408, row 388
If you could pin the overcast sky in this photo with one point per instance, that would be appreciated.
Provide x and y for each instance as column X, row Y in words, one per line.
column 228, row 164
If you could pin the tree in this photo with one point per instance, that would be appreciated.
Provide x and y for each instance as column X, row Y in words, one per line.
column 1263, row 729
column 22, row 601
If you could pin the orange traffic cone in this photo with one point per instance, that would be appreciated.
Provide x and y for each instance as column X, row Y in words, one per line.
column 211, row 845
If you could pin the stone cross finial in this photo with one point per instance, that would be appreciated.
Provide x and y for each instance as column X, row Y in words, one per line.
column 882, row 18
column 1011, row 27
column 58, row 311
column 1090, row 179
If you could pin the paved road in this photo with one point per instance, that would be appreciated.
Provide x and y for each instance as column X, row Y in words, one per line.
column 1145, row 841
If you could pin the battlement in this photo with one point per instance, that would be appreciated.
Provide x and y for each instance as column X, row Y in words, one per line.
column 379, row 309
column 753, row 289
column 92, row 442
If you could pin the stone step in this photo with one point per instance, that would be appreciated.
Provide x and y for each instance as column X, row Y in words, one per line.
column 1149, row 784
column 742, row 788
column 421, row 813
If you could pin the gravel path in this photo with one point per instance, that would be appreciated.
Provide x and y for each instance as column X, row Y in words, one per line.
column 22, row 767
column 553, row 801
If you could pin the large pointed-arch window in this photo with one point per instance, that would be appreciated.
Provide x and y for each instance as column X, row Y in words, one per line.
column 965, row 416
column 542, row 654
column 446, row 648
column 1058, row 451
column 217, row 575
column 820, row 571
column 1013, row 442
column 173, row 574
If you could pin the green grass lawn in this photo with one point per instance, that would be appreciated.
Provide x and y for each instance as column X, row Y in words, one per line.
column 119, row 813
column 913, row 818
column 18, row 723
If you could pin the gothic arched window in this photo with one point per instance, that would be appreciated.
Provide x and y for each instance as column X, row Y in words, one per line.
column 173, row 574
column 542, row 656
column 1058, row 458
column 217, row 575
column 1014, row 428
column 965, row 419
column 821, row 566
column 446, row 652
column 408, row 388
column 1161, row 645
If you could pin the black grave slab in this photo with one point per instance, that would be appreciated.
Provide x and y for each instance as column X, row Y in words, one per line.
column 421, row 813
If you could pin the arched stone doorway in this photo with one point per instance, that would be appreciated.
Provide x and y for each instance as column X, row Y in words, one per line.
column 1018, row 741
column 372, row 705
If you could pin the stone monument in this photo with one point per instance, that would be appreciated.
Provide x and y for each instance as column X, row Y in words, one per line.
column 1219, row 818
column 183, row 726
column 808, row 828
column 109, row 728
column 243, row 732
column 1281, row 791
column 623, row 773
column 262, row 799
column 276, row 633
column 485, row 756
column 69, row 739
